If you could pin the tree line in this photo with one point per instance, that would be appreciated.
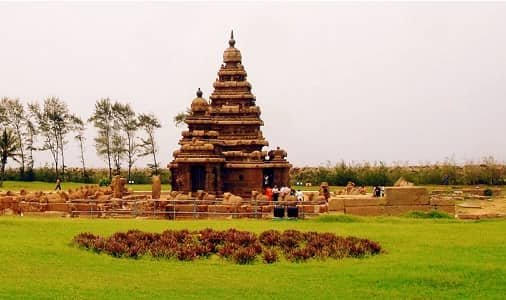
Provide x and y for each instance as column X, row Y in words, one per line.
column 488, row 171
column 122, row 135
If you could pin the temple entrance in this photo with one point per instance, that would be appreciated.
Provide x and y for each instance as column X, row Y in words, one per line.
column 268, row 178
column 198, row 178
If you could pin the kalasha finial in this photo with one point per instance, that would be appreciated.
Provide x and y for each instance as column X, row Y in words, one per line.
column 231, row 42
column 199, row 93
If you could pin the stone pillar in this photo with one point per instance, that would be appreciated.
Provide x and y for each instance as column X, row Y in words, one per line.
column 117, row 189
column 156, row 187
column 219, row 179
column 209, row 179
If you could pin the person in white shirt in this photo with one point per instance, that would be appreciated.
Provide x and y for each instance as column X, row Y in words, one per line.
column 299, row 195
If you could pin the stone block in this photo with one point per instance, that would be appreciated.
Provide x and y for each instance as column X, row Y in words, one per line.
column 377, row 210
column 32, row 207
column 363, row 201
column 202, row 208
column 219, row 208
column 449, row 209
column 63, row 207
column 309, row 209
column 442, row 201
column 83, row 207
column 336, row 204
column 156, row 188
column 184, row 208
column 267, row 208
column 468, row 217
column 397, row 210
column 408, row 195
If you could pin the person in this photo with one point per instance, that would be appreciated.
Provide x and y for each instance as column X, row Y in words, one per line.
column 292, row 191
column 377, row 191
column 268, row 193
column 58, row 184
column 299, row 195
column 275, row 193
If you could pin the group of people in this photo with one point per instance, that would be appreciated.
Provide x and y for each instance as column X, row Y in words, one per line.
column 276, row 193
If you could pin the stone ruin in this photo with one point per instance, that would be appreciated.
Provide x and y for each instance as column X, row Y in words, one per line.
column 351, row 189
column 118, row 201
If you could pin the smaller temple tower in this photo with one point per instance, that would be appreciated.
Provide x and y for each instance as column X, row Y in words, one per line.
column 222, row 149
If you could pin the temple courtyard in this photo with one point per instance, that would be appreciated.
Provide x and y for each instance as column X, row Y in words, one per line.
column 424, row 258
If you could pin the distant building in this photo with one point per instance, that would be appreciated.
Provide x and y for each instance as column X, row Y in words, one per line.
column 222, row 149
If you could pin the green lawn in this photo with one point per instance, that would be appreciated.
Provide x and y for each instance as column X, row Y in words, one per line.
column 48, row 186
column 425, row 259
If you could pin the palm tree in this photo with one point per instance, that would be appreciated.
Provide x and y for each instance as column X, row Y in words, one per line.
column 9, row 145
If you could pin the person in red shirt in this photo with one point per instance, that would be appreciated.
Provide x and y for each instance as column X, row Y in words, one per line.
column 268, row 193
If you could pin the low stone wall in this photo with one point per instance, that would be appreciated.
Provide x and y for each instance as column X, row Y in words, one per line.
column 397, row 201
column 98, row 202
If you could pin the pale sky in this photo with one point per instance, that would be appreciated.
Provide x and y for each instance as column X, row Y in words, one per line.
column 391, row 82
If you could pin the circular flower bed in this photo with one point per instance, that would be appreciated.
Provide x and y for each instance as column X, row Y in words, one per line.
column 241, row 247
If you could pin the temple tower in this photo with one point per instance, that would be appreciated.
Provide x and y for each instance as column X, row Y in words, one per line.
column 222, row 149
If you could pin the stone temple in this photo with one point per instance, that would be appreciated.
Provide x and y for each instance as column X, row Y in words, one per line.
column 222, row 149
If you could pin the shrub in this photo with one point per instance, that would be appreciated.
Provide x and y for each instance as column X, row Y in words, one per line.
column 270, row 256
column 104, row 182
column 488, row 192
column 270, row 238
column 241, row 247
column 433, row 214
column 244, row 255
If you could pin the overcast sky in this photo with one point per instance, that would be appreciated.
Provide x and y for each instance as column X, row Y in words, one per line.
column 357, row 82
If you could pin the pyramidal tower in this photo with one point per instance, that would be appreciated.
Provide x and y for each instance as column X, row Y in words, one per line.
column 222, row 150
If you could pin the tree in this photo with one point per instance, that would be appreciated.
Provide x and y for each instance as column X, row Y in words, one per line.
column 149, row 123
column 9, row 145
column 180, row 118
column 79, row 128
column 103, row 120
column 3, row 113
column 118, row 150
column 54, row 122
column 15, row 118
column 31, row 133
column 126, row 121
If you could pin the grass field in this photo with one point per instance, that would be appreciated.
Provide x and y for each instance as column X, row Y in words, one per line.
column 48, row 186
column 425, row 259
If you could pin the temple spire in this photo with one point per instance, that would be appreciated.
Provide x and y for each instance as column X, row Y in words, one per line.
column 231, row 42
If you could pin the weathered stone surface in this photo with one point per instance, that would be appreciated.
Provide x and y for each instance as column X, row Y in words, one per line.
column 397, row 210
column 449, row 209
column 365, row 210
column 267, row 208
column 63, row 207
column 336, row 204
column 229, row 199
column 442, row 201
column 406, row 196
column 220, row 208
column 156, row 187
column 351, row 201
column 468, row 217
